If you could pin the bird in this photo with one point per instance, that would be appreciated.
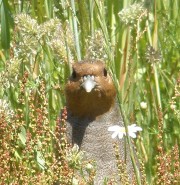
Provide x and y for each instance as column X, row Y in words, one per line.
column 91, row 109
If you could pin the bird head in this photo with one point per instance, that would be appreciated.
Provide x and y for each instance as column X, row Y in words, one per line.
column 90, row 91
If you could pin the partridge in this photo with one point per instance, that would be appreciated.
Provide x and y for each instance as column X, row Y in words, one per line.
column 92, row 109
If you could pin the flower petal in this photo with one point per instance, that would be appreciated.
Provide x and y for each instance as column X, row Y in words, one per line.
column 120, row 135
column 138, row 129
column 113, row 128
column 134, row 128
column 114, row 134
column 132, row 134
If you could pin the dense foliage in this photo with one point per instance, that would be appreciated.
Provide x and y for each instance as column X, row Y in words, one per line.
column 40, row 40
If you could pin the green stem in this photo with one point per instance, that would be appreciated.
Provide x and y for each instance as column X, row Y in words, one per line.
column 75, row 28
column 109, row 51
column 155, row 46
column 91, row 7
column 84, row 23
column 125, row 120
column 157, row 86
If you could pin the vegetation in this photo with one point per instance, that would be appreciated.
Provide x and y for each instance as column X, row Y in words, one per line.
column 40, row 40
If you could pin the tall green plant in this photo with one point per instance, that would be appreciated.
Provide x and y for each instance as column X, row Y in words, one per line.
column 139, row 41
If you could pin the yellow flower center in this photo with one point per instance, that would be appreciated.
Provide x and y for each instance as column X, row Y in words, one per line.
column 122, row 129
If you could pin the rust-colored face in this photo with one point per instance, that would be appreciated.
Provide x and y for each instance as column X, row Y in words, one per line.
column 90, row 91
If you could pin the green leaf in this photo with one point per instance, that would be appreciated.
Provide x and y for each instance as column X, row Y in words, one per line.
column 17, row 155
column 5, row 24
column 40, row 160
column 22, row 135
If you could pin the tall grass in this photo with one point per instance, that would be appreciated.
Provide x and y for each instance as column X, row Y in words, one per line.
column 140, row 43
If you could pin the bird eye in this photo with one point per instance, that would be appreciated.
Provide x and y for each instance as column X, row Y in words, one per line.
column 105, row 72
column 74, row 74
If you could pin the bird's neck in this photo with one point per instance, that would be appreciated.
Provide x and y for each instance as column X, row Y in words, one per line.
column 90, row 105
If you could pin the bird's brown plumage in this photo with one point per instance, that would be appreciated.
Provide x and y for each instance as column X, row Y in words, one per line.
column 99, row 100
column 91, row 113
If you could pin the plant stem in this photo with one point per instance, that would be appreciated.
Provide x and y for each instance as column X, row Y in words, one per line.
column 125, row 120
column 155, row 41
column 75, row 28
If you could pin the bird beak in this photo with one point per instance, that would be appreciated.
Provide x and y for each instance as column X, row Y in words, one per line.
column 88, row 83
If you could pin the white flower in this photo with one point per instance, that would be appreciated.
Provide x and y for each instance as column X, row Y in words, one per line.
column 132, row 129
column 89, row 166
column 120, row 131
column 173, row 106
column 143, row 105
column 75, row 181
column 117, row 131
